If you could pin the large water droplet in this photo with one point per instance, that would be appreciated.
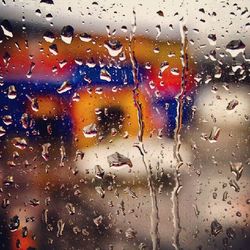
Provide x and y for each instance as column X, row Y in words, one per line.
column 90, row 130
column 164, row 66
column 233, row 184
column 60, row 227
column 12, row 94
column 99, row 172
column 118, row 160
column 212, row 39
column 232, row 104
column 114, row 47
column 67, row 34
column 214, row 134
column 47, row 1
column 85, row 37
column 14, row 223
column 216, row 228
column 7, row 28
column 104, row 75
column 45, row 151
column 2, row 131
column 237, row 169
column 53, row 49
column 235, row 47
column 160, row 13
column 7, row 120
column 34, row 104
column 30, row 71
column 49, row 37
column 66, row 86
column 19, row 143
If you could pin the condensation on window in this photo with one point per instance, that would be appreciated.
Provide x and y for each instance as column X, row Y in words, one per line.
column 124, row 124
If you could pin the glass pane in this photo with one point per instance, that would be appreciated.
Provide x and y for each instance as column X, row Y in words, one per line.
column 124, row 124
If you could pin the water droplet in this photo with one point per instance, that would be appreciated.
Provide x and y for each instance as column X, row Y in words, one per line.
column 6, row 58
column 156, row 50
column 212, row 39
column 131, row 193
column 14, row 223
column 99, row 90
column 12, row 94
column 24, row 232
column 19, row 143
column 214, row 134
column 49, row 17
column 63, row 155
column 124, row 29
column 7, row 28
column 47, row 1
column 79, row 154
column 118, row 160
column 8, row 181
column 76, row 97
column 104, row 75
column 53, row 49
column 49, row 37
column 164, row 66
column 160, row 13
column 114, row 47
column 99, row 172
column 232, row 104
column 148, row 65
column 235, row 47
column 98, row 220
column 60, row 227
column 7, row 120
column 45, row 151
column 196, row 210
column 130, row 233
column 34, row 104
column 66, row 86
column 85, row 37
column 237, row 169
column 100, row 191
column 2, row 131
column 234, row 185
column 90, row 130
column 224, row 198
column 216, row 228
column 71, row 209
column 158, row 29
column 38, row 12
column 29, row 73
column 34, row 202
column 67, row 34
column 175, row 71
column 230, row 233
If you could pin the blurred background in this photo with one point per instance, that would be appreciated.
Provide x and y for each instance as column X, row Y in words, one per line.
column 124, row 125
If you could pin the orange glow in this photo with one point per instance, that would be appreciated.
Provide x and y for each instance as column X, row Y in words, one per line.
column 48, row 106
column 25, row 242
column 84, row 113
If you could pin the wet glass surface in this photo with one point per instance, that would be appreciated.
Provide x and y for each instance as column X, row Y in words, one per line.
column 124, row 124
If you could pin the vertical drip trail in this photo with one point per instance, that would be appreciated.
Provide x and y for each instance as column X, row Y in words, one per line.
column 136, row 82
column 177, row 145
column 154, row 218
